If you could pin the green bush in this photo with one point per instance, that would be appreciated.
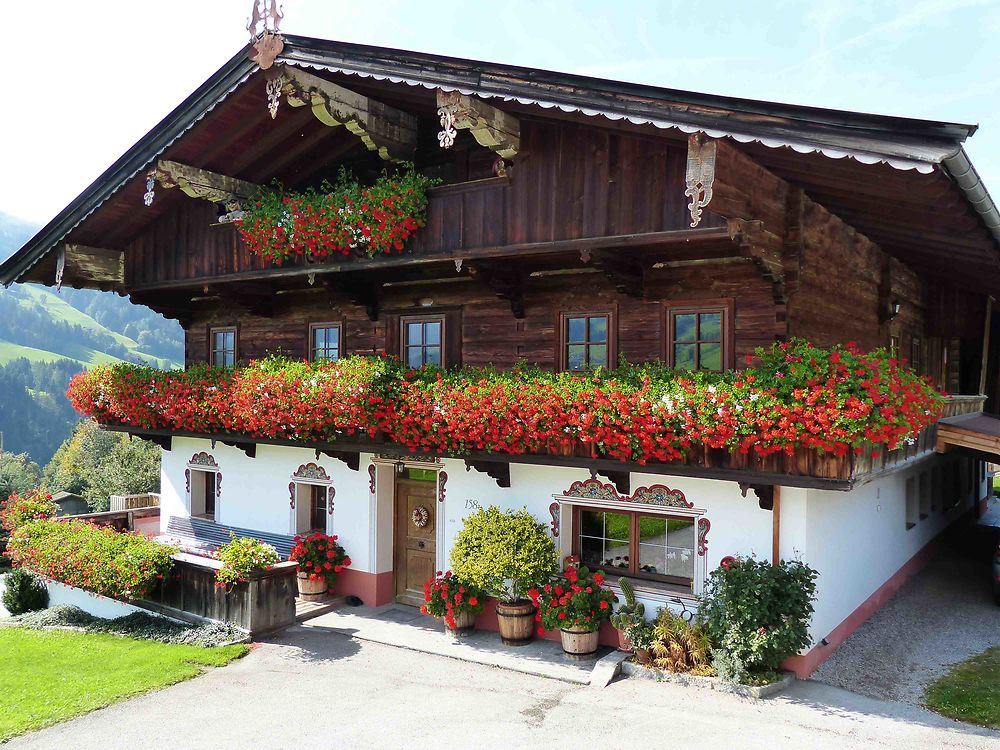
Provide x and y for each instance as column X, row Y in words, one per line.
column 757, row 614
column 240, row 557
column 96, row 558
column 679, row 645
column 24, row 592
column 504, row 552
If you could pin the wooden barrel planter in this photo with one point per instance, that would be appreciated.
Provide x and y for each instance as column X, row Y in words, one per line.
column 465, row 623
column 517, row 622
column 310, row 591
column 579, row 644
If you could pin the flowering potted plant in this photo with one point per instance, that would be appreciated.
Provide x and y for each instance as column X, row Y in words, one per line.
column 457, row 602
column 506, row 553
column 321, row 558
column 240, row 557
column 577, row 603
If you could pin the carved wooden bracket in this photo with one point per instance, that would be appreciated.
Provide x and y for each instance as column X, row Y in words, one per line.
column 200, row 183
column 700, row 175
column 93, row 265
column 360, row 290
column 491, row 127
column 249, row 448
column 499, row 471
column 507, row 282
column 764, row 493
column 625, row 272
column 164, row 441
column 620, row 479
column 351, row 458
column 386, row 130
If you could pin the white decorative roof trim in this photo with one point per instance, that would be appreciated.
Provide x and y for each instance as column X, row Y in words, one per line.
column 803, row 148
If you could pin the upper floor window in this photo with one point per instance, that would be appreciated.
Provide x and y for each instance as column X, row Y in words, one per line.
column 223, row 352
column 586, row 341
column 423, row 340
column 324, row 342
column 697, row 337
column 917, row 355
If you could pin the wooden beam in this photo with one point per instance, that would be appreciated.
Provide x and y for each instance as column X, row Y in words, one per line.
column 507, row 281
column 625, row 271
column 386, row 130
column 499, row 471
column 776, row 527
column 200, row 183
column 83, row 263
column 986, row 344
column 491, row 127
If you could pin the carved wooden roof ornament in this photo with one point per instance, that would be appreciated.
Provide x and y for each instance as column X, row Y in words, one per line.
column 264, row 26
column 491, row 127
column 700, row 175
column 200, row 183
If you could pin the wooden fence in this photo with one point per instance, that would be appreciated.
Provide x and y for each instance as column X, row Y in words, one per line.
column 131, row 502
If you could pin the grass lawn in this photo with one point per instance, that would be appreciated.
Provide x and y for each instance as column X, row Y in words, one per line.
column 970, row 691
column 50, row 676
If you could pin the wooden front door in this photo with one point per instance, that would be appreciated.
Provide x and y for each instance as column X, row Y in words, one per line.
column 415, row 539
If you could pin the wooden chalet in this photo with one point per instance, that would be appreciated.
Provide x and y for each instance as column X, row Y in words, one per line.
column 571, row 212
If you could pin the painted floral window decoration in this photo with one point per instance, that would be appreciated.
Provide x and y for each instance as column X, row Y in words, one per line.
column 340, row 218
column 792, row 396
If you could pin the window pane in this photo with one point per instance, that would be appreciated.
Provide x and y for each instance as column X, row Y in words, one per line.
column 576, row 357
column 591, row 523
column 576, row 330
column 685, row 328
column 598, row 356
column 414, row 333
column 710, row 327
column 684, row 356
column 616, row 553
column 711, row 357
column 652, row 559
column 652, row 530
column 618, row 526
column 680, row 549
column 414, row 356
column 591, row 551
column 432, row 355
column 432, row 333
column 598, row 330
column 229, row 339
column 318, row 338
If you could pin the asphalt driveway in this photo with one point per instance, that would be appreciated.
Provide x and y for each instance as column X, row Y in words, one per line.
column 318, row 689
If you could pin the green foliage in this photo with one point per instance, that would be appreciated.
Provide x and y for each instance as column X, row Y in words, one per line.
column 240, row 557
column 679, row 645
column 96, row 558
column 98, row 464
column 34, row 412
column 18, row 473
column 52, row 676
column 631, row 613
column 970, row 691
column 758, row 614
column 24, row 592
column 504, row 552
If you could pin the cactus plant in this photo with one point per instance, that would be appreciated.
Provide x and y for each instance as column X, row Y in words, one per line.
column 630, row 613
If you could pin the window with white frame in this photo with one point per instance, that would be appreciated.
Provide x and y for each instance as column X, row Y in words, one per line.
column 203, row 482
column 310, row 499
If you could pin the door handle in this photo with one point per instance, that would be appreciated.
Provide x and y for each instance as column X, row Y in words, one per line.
column 420, row 544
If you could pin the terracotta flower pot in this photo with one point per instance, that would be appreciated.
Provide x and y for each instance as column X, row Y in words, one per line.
column 579, row 642
column 624, row 644
column 465, row 623
column 517, row 622
column 643, row 656
column 311, row 590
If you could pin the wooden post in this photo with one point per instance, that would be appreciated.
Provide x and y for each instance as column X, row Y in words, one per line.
column 986, row 345
column 776, row 527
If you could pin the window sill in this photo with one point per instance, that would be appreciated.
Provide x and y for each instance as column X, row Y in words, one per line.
column 656, row 593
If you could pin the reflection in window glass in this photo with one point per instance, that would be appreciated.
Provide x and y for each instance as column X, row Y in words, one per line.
column 586, row 342
column 696, row 340
column 422, row 343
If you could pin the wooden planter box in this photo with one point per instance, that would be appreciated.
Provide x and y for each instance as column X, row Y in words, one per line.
column 264, row 604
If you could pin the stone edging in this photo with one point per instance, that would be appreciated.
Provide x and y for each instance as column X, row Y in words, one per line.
column 631, row 669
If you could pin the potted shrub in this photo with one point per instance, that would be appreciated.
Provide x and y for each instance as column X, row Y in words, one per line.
column 240, row 557
column 577, row 603
column 680, row 646
column 448, row 597
column 321, row 559
column 628, row 615
column 506, row 553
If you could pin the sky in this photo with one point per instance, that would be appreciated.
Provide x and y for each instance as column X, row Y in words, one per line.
column 86, row 80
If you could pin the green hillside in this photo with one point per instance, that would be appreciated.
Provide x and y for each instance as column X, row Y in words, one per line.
column 46, row 336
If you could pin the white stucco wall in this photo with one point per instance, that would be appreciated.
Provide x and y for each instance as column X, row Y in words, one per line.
column 858, row 540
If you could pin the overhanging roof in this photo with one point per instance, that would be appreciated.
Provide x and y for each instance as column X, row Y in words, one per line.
column 922, row 160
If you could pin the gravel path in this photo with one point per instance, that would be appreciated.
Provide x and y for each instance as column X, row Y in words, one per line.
column 944, row 615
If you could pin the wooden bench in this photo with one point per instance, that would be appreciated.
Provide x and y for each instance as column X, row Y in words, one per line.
column 211, row 535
